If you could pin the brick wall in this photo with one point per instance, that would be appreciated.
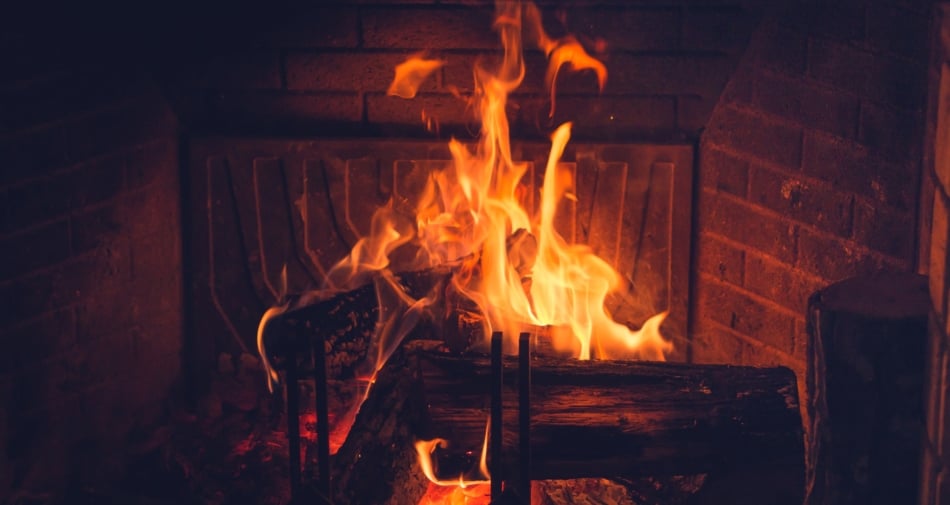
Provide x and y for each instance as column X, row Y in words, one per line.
column 935, row 466
column 809, row 172
column 324, row 69
column 90, row 280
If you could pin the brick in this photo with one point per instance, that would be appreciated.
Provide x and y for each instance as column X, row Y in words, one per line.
column 802, row 200
column 938, row 252
column 150, row 162
column 745, row 315
column 95, row 228
column 942, row 146
column 943, row 407
column 35, row 249
column 717, row 28
column 692, row 114
column 723, row 172
column 326, row 113
column 834, row 259
column 367, row 72
column 235, row 70
column 37, row 339
column 428, row 28
column 748, row 133
column 447, row 109
column 842, row 20
column 898, row 31
column 801, row 340
column 879, row 77
column 884, row 229
column 701, row 75
column 812, row 106
column 87, row 184
column 781, row 49
column 317, row 27
column 743, row 223
column 720, row 260
column 851, row 167
column 64, row 97
column 896, row 134
column 630, row 28
column 639, row 116
column 714, row 344
column 38, row 153
column 779, row 282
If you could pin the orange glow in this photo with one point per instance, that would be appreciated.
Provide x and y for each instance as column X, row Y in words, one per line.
column 411, row 73
column 474, row 217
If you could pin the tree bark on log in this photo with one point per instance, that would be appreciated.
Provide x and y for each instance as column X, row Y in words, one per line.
column 866, row 356
column 612, row 418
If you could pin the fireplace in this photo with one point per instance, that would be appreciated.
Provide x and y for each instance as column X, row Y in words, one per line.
column 806, row 123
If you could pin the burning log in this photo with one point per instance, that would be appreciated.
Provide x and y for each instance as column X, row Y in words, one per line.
column 346, row 322
column 611, row 418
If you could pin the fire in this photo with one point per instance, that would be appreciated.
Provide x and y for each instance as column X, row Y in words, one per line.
column 472, row 215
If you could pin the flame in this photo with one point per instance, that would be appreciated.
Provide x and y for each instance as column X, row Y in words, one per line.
column 411, row 73
column 509, row 260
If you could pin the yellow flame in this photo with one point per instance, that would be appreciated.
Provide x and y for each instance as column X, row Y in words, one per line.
column 410, row 75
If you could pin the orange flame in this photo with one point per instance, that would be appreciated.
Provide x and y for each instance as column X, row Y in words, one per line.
column 410, row 75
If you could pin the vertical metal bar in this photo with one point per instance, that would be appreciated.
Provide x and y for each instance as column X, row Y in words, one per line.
column 524, row 416
column 497, row 369
column 293, row 425
column 323, row 420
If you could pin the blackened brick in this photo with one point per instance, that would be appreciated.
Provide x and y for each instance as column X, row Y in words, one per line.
column 247, row 69
column 367, row 72
column 717, row 28
column 880, row 77
column 87, row 184
column 38, row 248
column 317, row 27
column 781, row 49
column 896, row 134
column 802, row 200
column 780, row 282
column 150, row 162
column 884, row 229
column 842, row 20
column 749, row 133
column 849, row 166
column 720, row 260
column 37, row 339
column 692, row 113
column 743, row 314
column 95, row 228
column 62, row 145
column 835, row 259
column 256, row 111
column 723, row 172
column 898, row 30
column 745, row 224
column 633, row 28
column 428, row 28
column 807, row 104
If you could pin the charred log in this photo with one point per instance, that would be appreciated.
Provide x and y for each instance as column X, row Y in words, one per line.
column 345, row 322
column 609, row 418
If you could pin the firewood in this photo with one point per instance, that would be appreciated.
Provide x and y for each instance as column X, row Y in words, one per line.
column 867, row 348
column 612, row 418
column 345, row 322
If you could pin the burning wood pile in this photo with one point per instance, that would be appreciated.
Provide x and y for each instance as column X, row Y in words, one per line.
column 409, row 406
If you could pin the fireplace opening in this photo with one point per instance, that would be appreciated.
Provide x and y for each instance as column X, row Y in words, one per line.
column 169, row 174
